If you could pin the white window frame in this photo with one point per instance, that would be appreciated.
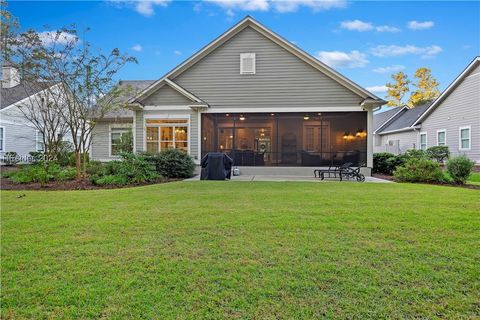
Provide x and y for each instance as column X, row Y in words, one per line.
column 426, row 140
column 2, row 147
column 469, row 138
column 167, row 117
column 249, row 55
column 445, row 132
column 124, row 127
column 37, row 132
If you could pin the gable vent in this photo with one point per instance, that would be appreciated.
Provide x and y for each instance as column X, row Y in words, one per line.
column 247, row 63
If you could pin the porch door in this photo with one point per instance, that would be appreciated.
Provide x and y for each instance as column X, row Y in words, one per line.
column 317, row 139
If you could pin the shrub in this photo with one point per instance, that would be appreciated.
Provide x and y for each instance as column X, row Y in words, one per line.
column 172, row 163
column 415, row 154
column 438, row 153
column 71, row 158
column 42, row 172
column 64, row 154
column 96, row 168
column 419, row 170
column 380, row 162
column 36, row 157
column 131, row 169
column 460, row 168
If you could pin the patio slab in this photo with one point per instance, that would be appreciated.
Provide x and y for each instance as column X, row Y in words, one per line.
column 282, row 178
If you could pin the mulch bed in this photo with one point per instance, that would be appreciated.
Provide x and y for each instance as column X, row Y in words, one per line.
column 7, row 184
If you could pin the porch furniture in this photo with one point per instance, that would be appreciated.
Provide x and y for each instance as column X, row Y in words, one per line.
column 351, row 173
column 216, row 166
column 332, row 172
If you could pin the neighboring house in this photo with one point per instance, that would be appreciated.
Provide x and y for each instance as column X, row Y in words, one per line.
column 17, row 134
column 453, row 119
column 255, row 96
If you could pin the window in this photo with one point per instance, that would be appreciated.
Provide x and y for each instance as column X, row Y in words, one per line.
column 441, row 137
column 247, row 63
column 423, row 141
column 40, row 146
column 164, row 134
column 121, row 140
column 2, row 138
column 465, row 136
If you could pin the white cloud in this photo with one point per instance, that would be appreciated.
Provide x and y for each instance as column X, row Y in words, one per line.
column 177, row 52
column 144, row 7
column 281, row 6
column 377, row 89
column 362, row 26
column 387, row 29
column 389, row 69
column 354, row 59
column 356, row 25
column 415, row 25
column 51, row 37
column 394, row 50
column 137, row 48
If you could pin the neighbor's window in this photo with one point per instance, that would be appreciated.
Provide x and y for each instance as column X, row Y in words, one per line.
column 2, row 138
column 441, row 137
column 464, row 138
column 164, row 134
column 247, row 63
column 121, row 140
column 40, row 146
column 423, row 141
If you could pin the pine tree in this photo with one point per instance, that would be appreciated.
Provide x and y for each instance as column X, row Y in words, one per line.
column 397, row 90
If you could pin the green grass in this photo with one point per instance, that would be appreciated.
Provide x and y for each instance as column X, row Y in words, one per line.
column 216, row 250
column 474, row 178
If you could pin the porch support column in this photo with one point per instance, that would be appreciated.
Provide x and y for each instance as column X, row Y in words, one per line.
column 370, row 137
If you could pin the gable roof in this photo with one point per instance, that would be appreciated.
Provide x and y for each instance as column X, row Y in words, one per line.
column 250, row 22
column 450, row 88
column 383, row 118
column 404, row 120
column 21, row 91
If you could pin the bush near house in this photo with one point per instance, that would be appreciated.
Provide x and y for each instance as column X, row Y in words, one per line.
column 42, row 172
column 438, row 153
column 172, row 163
column 419, row 170
column 459, row 168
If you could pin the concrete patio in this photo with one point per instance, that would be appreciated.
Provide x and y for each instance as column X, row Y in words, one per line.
column 283, row 178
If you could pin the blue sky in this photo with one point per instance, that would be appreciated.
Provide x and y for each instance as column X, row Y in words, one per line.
column 366, row 41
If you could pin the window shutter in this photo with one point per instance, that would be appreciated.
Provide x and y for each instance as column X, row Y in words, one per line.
column 247, row 63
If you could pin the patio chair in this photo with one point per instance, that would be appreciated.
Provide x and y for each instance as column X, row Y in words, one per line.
column 332, row 171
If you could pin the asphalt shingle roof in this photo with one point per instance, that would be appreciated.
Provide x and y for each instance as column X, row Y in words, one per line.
column 136, row 86
column 380, row 118
column 20, row 92
column 406, row 118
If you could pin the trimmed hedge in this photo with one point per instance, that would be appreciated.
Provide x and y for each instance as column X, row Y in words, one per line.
column 172, row 163
column 419, row 170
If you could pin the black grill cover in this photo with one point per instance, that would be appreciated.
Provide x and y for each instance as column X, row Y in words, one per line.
column 216, row 166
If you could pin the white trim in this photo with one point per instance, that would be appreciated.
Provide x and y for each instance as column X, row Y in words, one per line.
column 469, row 138
column 115, row 126
column 166, row 108
column 17, row 103
column 447, row 91
column 167, row 116
column 2, row 149
column 248, row 55
column 420, row 140
column 397, row 130
column 199, row 115
column 445, row 132
column 284, row 110
column 389, row 119
column 248, row 21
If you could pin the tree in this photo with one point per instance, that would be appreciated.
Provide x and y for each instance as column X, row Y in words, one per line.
column 9, row 26
column 397, row 90
column 427, row 88
column 85, row 87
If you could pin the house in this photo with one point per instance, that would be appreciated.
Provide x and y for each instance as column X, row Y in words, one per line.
column 453, row 119
column 255, row 96
column 17, row 134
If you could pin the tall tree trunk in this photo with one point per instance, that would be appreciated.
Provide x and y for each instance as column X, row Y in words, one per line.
column 78, row 164
column 85, row 161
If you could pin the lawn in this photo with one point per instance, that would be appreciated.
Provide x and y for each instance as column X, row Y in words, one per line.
column 474, row 178
column 262, row 250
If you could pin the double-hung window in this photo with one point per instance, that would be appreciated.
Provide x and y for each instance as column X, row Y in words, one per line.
column 423, row 141
column 464, row 138
column 40, row 146
column 441, row 137
column 164, row 134
column 121, row 140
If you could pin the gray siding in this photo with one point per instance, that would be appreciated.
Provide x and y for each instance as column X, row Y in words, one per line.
column 460, row 108
column 402, row 141
column 194, row 116
column 19, row 138
column 101, row 139
column 166, row 96
column 140, row 131
column 282, row 80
